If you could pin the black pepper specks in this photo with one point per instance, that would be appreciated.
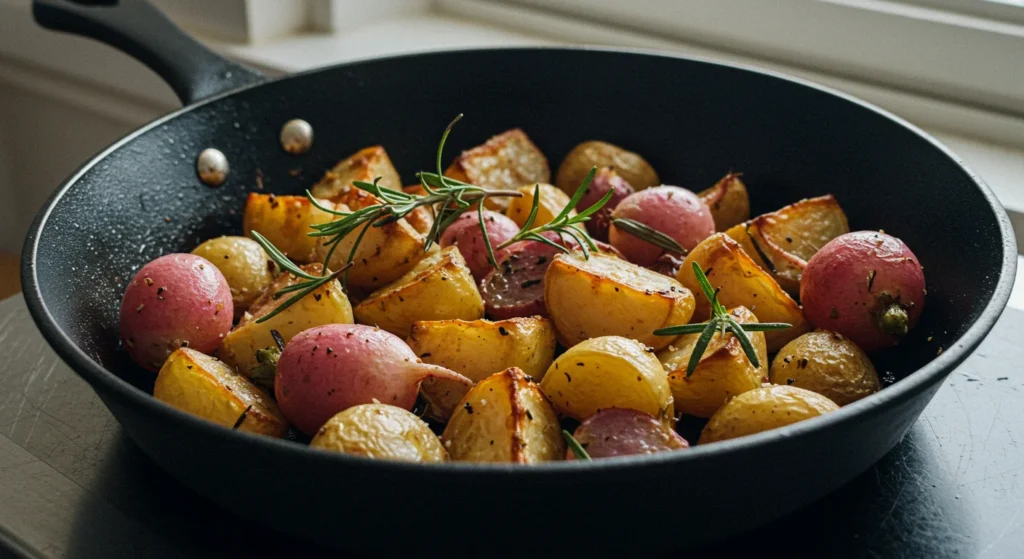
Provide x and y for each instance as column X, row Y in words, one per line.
column 468, row 408
column 502, row 331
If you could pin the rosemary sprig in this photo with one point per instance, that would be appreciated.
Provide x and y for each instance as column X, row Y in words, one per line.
column 721, row 321
column 575, row 446
column 649, row 234
column 564, row 224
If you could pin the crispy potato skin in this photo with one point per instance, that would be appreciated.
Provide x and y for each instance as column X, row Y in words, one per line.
column 827, row 363
column 762, row 409
column 504, row 162
column 606, row 296
column 245, row 266
column 205, row 387
column 789, row 237
column 382, row 432
column 285, row 222
column 478, row 349
column 742, row 283
column 728, row 200
column 594, row 153
column 326, row 305
column 384, row 254
column 504, row 418
column 608, row 372
column 723, row 371
column 552, row 202
column 439, row 287
column 364, row 165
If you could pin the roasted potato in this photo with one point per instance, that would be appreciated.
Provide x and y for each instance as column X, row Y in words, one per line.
column 203, row 386
column 504, row 418
column 781, row 242
column 827, row 363
column 504, row 162
column 328, row 304
column 723, row 371
column 552, row 202
column 608, row 372
column 578, row 163
column 742, row 283
column 245, row 265
column 285, row 221
column 384, row 254
column 763, row 409
column 606, row 296
column 364, row 165
column 380, row 431
column 478, row 349
column 421, row 218
column 728, row 200
column 439, row 287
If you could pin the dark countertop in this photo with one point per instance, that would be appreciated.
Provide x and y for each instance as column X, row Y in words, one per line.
column 72, row 484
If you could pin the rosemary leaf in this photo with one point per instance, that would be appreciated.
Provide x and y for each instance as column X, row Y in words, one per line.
column 748, row 347
column 575, row 446
column 649, row 234
column 701, row 345
column 277, row 256
column 681, row 329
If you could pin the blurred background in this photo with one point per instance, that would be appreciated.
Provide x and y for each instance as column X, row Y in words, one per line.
column 953, row 67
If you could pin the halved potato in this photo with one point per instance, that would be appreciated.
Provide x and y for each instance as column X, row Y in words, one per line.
column 364, row 165
column 328, row 304
column 285, row 221
column 439, row 287
column 380, row 431
column 608, row 372
column 504, row 162
column 205, row 387
column 762, row 409
column 728, row 201
column 384, row 254
column 723, row 371
column 477, row 349
column 587, row 155
column 552, row 202
column 782, row 242
column 742, row 283
column 607, row 296
column 504, row 418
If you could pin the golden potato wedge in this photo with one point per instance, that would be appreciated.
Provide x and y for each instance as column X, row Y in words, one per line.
column 607, row 296
column 439, row 287
column 827, row 363
column 630, row 166
column 504, row 162
column 782, row 242
column 504, row 418
column 742, row 283
column 380, row 431
column 723, row 371
column 552, row 202
column 205, row 387
column 762, row 409
column 608, row 372
column 728, row 201
column 328, row 304
column 384, row 254
column 285, row 221
column 477, row 349
column 245, row 265
column 364, row 165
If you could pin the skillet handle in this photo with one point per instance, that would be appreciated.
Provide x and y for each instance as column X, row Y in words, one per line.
column 136, row 28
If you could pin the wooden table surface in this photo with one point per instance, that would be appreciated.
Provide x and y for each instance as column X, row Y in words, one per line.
column 72, row 485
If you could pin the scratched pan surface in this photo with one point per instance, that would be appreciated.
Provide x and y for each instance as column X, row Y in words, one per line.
column 694, row 120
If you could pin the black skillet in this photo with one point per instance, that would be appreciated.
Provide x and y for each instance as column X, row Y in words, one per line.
column 693, row 119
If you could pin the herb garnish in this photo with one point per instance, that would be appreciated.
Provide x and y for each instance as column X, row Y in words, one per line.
column 649, row 234
column 575, row 446
column 447, row 199
column 720, row 320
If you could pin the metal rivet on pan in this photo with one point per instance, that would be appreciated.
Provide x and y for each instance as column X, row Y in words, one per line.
column 296, row 136
column 212, row 167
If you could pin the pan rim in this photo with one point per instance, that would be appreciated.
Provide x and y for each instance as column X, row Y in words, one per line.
column 910, row 386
